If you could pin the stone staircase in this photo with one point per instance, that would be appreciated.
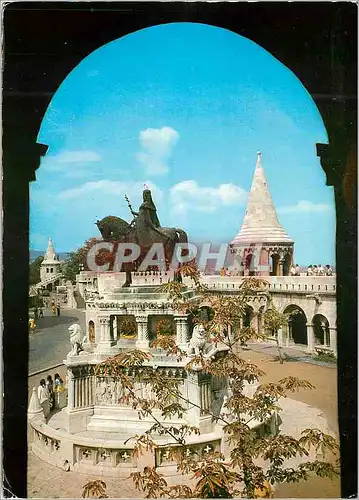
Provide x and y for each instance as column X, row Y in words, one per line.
column 44, row 283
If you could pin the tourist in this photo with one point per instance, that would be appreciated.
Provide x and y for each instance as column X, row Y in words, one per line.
column 59, row 383
column 310, row 270
column 315, row 270
column 297, row 270
column 32, row 325
column 36, row 312
column 44, row 397
column 292, row 270
column 58, row 308
column 320, row 270
column 53, row 308
column 50, row 389
column 222, row 271
column 328, row 270
column 41, row 313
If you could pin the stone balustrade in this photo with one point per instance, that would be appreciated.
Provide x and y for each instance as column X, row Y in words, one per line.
column 289, row 284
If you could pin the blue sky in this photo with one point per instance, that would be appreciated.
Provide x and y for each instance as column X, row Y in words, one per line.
column 184, row 108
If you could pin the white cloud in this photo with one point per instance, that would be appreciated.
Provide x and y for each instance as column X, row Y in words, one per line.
column 305, row 206
column 188, row 195
column 156, row 145
column 59, row 161
column 104, row 188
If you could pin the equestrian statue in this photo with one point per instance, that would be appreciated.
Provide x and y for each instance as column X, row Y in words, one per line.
column 144, row 230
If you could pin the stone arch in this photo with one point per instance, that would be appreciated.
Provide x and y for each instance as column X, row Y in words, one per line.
column 297, row 325
column 91, row 330
column 249, row 264
column 321, row 330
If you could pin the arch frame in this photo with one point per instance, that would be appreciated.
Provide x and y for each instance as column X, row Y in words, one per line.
column 333, row 89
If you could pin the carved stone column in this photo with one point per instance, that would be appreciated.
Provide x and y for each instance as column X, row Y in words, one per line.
column 106, row 338
column 333, row 339
column 181, row 331
column 310, row 338
column 280, row 337
column 114, row 328
column 142, row 341
column 280, row 267
column 70, row 389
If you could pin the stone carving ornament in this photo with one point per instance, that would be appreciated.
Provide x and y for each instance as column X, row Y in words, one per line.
column 108, row 391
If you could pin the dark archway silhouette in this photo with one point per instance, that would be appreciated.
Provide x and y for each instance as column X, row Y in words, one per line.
column 321, row 330
column 91, row 332
column 274, row 264
column 318, row 42
column 297, row 325
column 248, row 317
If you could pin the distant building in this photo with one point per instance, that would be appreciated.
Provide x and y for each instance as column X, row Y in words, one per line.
column 51, row 265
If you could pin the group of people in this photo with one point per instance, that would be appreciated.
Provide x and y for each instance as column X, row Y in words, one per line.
column 38, row 312
column 47, row 392
column 295, row 270
column 314, row 270
column 224, row 272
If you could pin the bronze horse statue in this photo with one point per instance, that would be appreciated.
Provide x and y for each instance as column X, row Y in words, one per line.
column 144, row 231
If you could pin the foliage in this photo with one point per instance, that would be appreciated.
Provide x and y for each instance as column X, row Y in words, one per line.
column 164, row 327
column 128, row 327
column 34, row 270
column 255, row 462
column 325, row 357
column 77, row 260
column 95, row 489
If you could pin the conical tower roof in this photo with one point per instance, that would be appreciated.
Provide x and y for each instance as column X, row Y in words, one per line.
column 50, row 255
column 260, row 224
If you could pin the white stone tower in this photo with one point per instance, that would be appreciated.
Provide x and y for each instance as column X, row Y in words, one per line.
column 50, row 266
column 262, row 246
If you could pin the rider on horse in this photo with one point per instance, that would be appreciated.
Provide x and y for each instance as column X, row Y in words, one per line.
column 146, row 218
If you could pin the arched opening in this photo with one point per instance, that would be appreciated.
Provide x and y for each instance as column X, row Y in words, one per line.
column 161, row 325
column 274, row 261
column 91, row 332
column 249, row 265
column 321, row 330
column 297, row 325
column 287, row 264
column 248, row 317
column 205, row 313
column 125, row 327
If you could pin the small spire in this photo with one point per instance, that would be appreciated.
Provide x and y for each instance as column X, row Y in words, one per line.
column 259, row 159
column 35, row 408
column 50, row 252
